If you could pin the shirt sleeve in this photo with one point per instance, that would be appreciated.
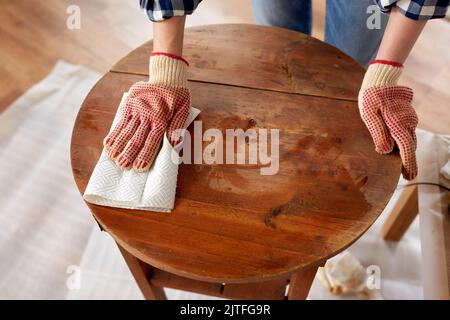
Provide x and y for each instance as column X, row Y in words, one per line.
column 417, row 9
column 160, row 10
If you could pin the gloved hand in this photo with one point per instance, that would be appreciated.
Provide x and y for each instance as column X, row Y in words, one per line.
column 385, row 108
column 151, row 109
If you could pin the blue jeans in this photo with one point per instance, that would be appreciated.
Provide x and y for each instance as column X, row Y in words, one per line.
column 345, row 28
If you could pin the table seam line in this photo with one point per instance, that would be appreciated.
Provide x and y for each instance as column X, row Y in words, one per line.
column 247, row 87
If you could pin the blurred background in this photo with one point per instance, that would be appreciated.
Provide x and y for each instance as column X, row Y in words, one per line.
column 50, row 247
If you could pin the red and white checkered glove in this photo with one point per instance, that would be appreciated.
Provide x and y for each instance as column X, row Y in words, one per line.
column 150, row 109
column 385, row 108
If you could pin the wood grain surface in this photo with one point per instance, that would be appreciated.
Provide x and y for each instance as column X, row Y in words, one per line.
column 263, row 58
column 230, row 223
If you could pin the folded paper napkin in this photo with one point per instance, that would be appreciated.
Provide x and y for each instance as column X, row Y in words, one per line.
column 153, row 190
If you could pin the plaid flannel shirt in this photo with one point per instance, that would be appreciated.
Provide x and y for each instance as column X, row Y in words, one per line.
column 159, row 10
column 417, row 9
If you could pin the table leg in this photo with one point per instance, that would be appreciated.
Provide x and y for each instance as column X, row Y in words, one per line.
column 141, row 273
column 300, row 283
column 402, row 215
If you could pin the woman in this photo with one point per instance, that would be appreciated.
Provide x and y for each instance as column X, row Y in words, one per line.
column 385, row 107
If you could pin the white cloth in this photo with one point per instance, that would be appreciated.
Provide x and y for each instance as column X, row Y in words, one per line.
column 433, row 214
column 445, row 170
column 45, row 224
column 153, row 190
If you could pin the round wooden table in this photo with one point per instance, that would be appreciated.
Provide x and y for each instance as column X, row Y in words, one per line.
column 234, row 232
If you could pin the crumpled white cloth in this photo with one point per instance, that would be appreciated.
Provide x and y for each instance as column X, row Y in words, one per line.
column 153, row 190
column 445, row 170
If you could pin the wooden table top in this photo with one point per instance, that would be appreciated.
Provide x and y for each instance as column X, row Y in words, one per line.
column 230, row 223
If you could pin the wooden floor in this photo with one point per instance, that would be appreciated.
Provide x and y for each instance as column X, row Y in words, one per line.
column 33, row 38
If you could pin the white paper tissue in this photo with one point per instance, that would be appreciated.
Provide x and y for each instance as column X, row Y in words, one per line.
column 153, row 190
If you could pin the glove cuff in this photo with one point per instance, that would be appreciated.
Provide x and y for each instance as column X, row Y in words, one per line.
column 381, row 73
column 167, row 70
